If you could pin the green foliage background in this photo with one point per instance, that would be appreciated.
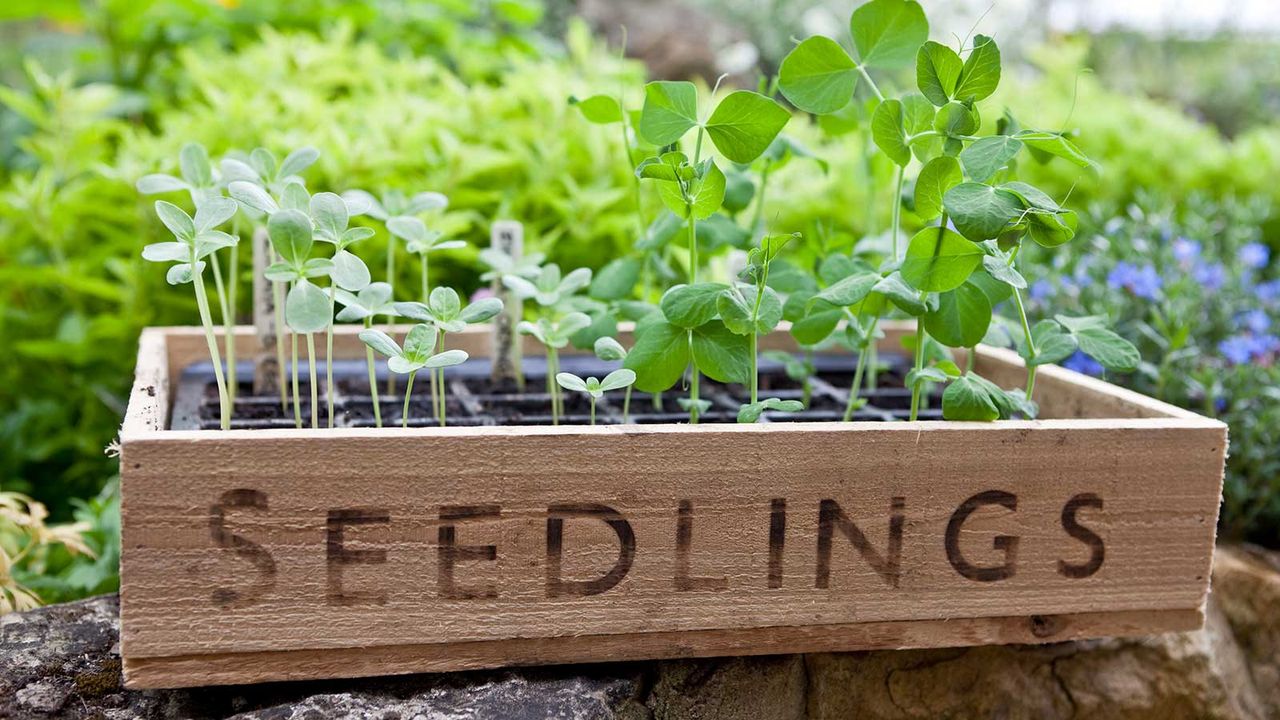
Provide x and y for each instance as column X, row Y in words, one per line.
column 467, row 99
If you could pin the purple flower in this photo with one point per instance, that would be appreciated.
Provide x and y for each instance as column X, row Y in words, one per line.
column 1256, row 321
column 1041, row 289
column 1255, row 255
column 1211, row 275
column 1186, row 251
column 1237, row 349
column 1268, row 291
column 1143, row 282
column 1082, row 363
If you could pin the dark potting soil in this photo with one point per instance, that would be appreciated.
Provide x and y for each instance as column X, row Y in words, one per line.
column 472, row 399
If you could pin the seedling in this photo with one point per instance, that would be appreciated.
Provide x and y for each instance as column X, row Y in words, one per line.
column 194, row 240
column 554, row 335
column 416, row 355
column 596, row 388
column 445, row 312
column 307, row 308
column 394, row 204
column 610, row 350
column 741, row 127
column 330, row 215
column 751, row 309
column 422, row 242
column 373, row 300
column 202, row 184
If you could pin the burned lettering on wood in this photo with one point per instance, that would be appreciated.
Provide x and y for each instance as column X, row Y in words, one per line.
column 449, row 553
column 229, row 598
column 831, row 516
column 338, row 555
column 1007, row 543
column 684, row 548
column 556, row 515
column 1097, row 551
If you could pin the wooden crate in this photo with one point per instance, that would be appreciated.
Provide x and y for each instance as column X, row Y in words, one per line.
column 262, row 555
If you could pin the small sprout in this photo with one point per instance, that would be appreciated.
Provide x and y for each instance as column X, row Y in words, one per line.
column 596, row 388
column 417, row 354
column 445, row 312
column 549, row 289
column 610, row 350
column 751, row 412
column 374, row 299
column 501, row 265
column 554, row 334
column 421, row 242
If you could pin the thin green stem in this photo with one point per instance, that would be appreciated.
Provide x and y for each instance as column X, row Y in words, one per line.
column 408, row 390
column 277, row 303
column 919, row 365
column 426, row 285
column 228, row 322
column 870, row 83
column 373, row 378
column 755, row 371
column 895, row 226
column 693, row 278
column 233, row 283
column 440, row 385
column 202, row 303
column 626, row 405
column 297, row 396
column 391, row 319
column 315, row 383
column 693, row 390
column 593, row 409
column 864, row 359
column 1032, row 352
column 553, row 367
column 328, row 352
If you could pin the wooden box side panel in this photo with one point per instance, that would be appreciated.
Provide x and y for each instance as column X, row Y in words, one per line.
column 279, row 543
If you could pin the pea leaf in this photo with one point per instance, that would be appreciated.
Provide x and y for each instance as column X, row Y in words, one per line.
column 721, row 354
column 939, row 260
column 850, row 290
column 956, row 119
column 616, row 280
column 887, row 131
column 690, row 306
column 987, row 155
column 660, row 354
column 966, row 399
column 906, row 298
column 744, row 123
column 737, row 309
column 936, row 177
column 670, row 109
column 887, row 33
column 599, row 109
column 1002, row 271
column 1052, row 230
column 1057, row 145
column 937, row 72
column 981, row 212
column 818, row 76
column 961, row 318
column 306, row 309
column 1109, row 349
column 751, row 412
column 817, row 325
column 708, row 194
column 981, row 73
column 1053, row 344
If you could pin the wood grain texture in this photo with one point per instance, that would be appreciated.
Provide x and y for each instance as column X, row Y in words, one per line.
column 271, row 554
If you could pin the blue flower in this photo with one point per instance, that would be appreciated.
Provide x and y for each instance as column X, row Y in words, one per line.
column 1143, row 282
column 1256, row 321
column 1211, row 275
column 1082, row 363
column 1186, row 251
column 1268, row 291
column 1255, row 255
column 1237, row 349
column 1040, row 289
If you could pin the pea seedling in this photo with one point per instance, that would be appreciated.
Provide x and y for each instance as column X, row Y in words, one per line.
column 372, row 300
column 416, row 355
column 554, row 335
column 422, row 242
column 594, row 387
column 394, row 204
column 445, row 312
column 194, row 240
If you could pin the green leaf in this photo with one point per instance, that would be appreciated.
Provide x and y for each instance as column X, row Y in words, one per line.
column 1109, row 349
column 670, row 109
column 736, row 306
column 981, row 212
column 660, row 354
column 306, row 309
column 936, row 177
column 167, row 252
column 599, row 109
column 967, row 399
column 194, row 161
column 961, row 318
column 444, row 303
column 480, row 310
column 607, row 348
column 253, row 197
column 939, row 260
column 329, row 213
column 1032, row 196
column 906, row 298
column 987, row 155
column 448, row 358
column 290, row 233
column 997, row 291
column 1053, row 344
column 177, row 220
column 180, row 274
column 159, row 183
column 850, row 290
column 689, row 306
column 420, row 342
column 616, row 280
column 981, row 73
column 1003, row 271
column 617, row 380
column 380, row 342
column 298, row 160
column 721, row 354
column 956, row 119
column 818, row 76
column 744, row 123
column 349, row 271
column 937, row 72
column 887, row 33
column 708, row 194
column 1057, row 145
column 887, row 131
column 751, row 412
column 295, row 197
column 569, row 381
column 1052, row 230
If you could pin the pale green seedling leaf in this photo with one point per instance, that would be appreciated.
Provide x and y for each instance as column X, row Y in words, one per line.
column 177, row 220
column 617, row 380
column 290, row 234
column 380, row 342
column 349, row 271
column 306, row 309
